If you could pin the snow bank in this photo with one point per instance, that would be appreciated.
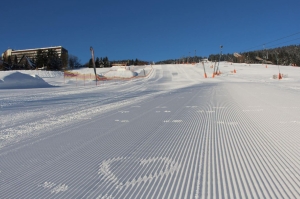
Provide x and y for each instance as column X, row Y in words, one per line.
column 43, row 73
column 17, row 80
column 120, row 73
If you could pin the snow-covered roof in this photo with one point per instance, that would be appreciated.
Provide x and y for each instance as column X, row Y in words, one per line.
column 30, row 62
column 45, row 48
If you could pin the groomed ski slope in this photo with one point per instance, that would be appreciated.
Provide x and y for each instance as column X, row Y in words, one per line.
column 173, row 134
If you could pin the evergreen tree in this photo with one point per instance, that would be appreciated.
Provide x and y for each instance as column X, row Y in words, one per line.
column 39, row 59
column 97, row 62
column 106, row 62
column 91, row 63
column 4, row 58
column 15, row 60
column 9, row 60
column 53, row 61
column 101, row 62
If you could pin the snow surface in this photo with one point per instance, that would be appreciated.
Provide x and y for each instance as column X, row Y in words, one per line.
column 170, row 134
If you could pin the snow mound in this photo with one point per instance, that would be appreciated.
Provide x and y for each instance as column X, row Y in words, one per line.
column 17, row 80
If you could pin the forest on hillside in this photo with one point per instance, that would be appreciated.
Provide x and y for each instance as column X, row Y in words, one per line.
column 286, row 55
column 182, row 60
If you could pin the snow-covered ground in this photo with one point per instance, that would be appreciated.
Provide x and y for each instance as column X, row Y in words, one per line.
column 170, row 133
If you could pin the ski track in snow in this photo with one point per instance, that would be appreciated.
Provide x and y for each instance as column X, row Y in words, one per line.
column 168, row 136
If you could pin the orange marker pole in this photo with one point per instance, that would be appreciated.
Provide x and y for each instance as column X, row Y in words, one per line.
column 205, row 76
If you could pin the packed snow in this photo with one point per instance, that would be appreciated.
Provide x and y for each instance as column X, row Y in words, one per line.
column 161, row 131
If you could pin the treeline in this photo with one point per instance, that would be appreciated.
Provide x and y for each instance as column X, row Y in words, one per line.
column 99, row 63
column 194, row 59
column 286, row 55
column 104, row 62
column 49, row 60
column 131, row 62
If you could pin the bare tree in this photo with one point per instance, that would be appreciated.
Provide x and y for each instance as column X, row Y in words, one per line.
column 74, row 62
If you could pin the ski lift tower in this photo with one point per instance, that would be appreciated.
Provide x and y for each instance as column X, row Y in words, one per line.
column 94, row 65
column 266, row 55
column 219, row 59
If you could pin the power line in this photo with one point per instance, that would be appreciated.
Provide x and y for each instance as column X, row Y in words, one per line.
column 283, row 37
column 273, row 41
column 285, row 42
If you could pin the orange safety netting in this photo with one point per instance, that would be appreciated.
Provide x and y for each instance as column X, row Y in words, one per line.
column 90, row 76
column 80, row 76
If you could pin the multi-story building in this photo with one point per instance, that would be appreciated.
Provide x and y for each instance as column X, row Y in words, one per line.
column 32, row 53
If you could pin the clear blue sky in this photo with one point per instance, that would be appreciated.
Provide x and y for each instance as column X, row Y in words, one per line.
column 150, row 30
